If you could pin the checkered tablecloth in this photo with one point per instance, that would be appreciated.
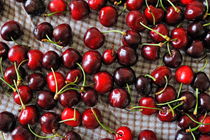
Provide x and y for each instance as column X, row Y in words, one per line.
column 112, row 117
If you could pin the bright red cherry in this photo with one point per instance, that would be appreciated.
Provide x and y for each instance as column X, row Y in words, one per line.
column 184, row 74
column 108, row 16
column 123, row 133
column 173, row 17
column 159, row 74
column 89, row 120
column 161, row 28
column 68, row 113
column 34, row 59
column 167, row 95
column 204, row 128
column 150, row 52
column 96, row 4
column 70, row 57
column 25, row 94
column 109, row 56
column 147, row 135
column 166, row 115
column 179, row 37
column 73, row 75
column 152, row 13
column 185, row 2
column 194, row 10
column 134, row 4
column 147, row 102
column 51, row 81
column 17, row 54
column 29, row 115
column 57, row 6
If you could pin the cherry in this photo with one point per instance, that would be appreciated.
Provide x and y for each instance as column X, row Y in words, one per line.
column 194, row 10
column 91, row 62
column 21, row 133
column 204, row 128
column 204, row 137
column 71, row 135
column 153, row 14
column 88, row 118
column 133, row 20
column 103, row 82
column 53, row 79
column 150, row 52
column 201, row 81
column 49, row 122
column 71, row 117
column 29, row 115
column 9, row 121
column 17, row 54
column 195, row 30
column 108, row 16
column 69, row 98
column 89, row 97
column 127, row 56
column 159, row 74
column 93, row 38
column 131, row 39
column 184, row 74
column 172, row 16
column 62, row 34
column 185, row 2
column 57, row 6
column 189, row 101
column 96, row 4
column 196, row 49
column 34, row 59
column 123, row 133
column 79, row 9
column 204, row 99
column 147, row 102
column 134, row 4
column 11, row 30
column 109, row 56
column 74, row 75
column 70, row 57
column 123, row 76
column 183, row 135
column 36, row 81
column 174, row 60
column 207, row 41
column 147, row 135
column 162, row 29
column 25, row 94
column 168, row 94
column 3, row 50
column 119, row 98
column 50, row 60
column 180, row 37
column 166, row 115
column 143, row 85
column 185, row 122
column 34, row 7
column 43, row 30
column 45, row 100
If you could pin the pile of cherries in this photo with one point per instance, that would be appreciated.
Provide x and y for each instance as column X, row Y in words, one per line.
column 37, row 83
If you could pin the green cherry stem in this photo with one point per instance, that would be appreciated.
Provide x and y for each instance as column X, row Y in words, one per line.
column 207, row 10
column 144, row 107
column 196, row 105
column 175, row 8
column 153, row 17
column 206, row 24
column 114, row 31
column 192, row 129
column 179, row 99
column 8, row 84
column 71, row 119
column 50, row 41
column 168, row 49
column 157, row 4
column 192, row 134
column 21, row 101
column 19, row 78
column 161, row 4
column 83, row 73
column 1, row 67
column 161, row 91
column 128, row 88
column 171, row 109
column 53, row 13
column 116, row 3
column 179, row 91
column 150, row 76
column 56, row 83
column 178, row 105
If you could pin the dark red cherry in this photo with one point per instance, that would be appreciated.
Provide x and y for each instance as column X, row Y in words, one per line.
column 147, row 102
column 74, row 75
column 70, row 57
column 204, row 137
column 22, row 133
column 45, row 100
column 183, row 135
column 68, row 113
column 167, row 95
column 69, row 98
column 51, row 81
column 133, row 20
column 174, row 60
column 29, row 115
column 9, row 121
column 49, row 122
column 195, row 30
column 194, row 10
column 131, row 39
column 91, row 62
column 89, row 97
column 123, row 76
column 207, row 41
column 184, row 74
column 3, row 50
column 159, row 74
column 196, row 49
column 43, row 30
column 34, row 7
column 93, row 38
column 36, row 81
column 185, row 122
column 119, row 98
column 11, row 30
column 25, row 94
column 161, row 28
column 79, row 9
column 17, row 54
column 109, row 56
column 165, row 115
column 152, row 13
column 172, row 16
column 127, row 56
column 204, row 99
column 62, row 34
column 179, row 37
column 147, row 135
column 71, row 135
column 108, row 16
column 96, row 4
column 134, row 4
column 103, row 82
column 123, row 133
column 204, row 128
column 201, row 81
column 150, row 52
column 51, row 60
column 89, row 120
column 57, row 6
column 143, row 85
column 189, row 102
column 34, row 59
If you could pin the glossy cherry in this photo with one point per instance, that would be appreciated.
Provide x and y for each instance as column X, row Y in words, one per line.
column 184, row 74
column 36, row 81
column 185, row 122
column 25, row 94
column 204, row 128
column 196, row 30
column 189, row 102
column 96, row 4
column 147, row 102
column 21, row 133
column 9, row 121
column 127, row 56
column 34, row 7
column 201, row 81
column 131, row 39
column 68, row 113
column 162, row 29
column 159, row 74
column 69, row 98
column 207, row 41
column 29, row 115
column 174, row 59
column 51, row 60
column 185, row 2
column 34, row 59
column 43, row 30
column 17, row 54
column 172, row 16
column 3, row 50
column 89, row 120
column 194, row 10
column 180, row 37
column 166, row 115
column 204, row 99
column 109, row 56
column 143, row 85
column 74, row 75
column 108, row 16
column 152, row 13
column 183, row 135
column 150, row 52
column 167, row 95
column 45, row 100
column 196, row 49
column 57, row 6
column 89, row 97
column 71, row 135
column 147, row 135
column 134, row 4
column 70, row 57
column 123, row 133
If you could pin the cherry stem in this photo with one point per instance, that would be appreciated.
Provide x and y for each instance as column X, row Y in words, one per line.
column 168, row 48
column 21, row 101
column 161, row 91
column 180, row 99
column 1, row 67
column 144, row 107
column 163, row 36
column 21, row 63
column 150, row 76
column 123, row 10
column 179, row 91
column 172, row 110
column 102, row 125
column 153, row 17
column 192, row 134
column 83, row 73
column 114, row 31
column 116, row 3
column 128, row 88
column 207, row 24
column 175, row 8
column 8, row 84
column 196, row 121
column 157, row 4
column 207, row 10
column 178, row 105
column 72, row 119
column 53, row 13
column 204, row 66
column 55, row 79
column 196, row 105
column 19, row 78
column 161, row 4
column 50, row 41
